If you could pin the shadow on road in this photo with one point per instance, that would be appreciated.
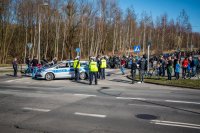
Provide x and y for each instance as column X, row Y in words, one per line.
column 106, row 93
column 85, row 82
column 168, row 106
column 122, row 81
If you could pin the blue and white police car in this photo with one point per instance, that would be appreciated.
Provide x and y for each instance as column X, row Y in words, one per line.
column 63, row 69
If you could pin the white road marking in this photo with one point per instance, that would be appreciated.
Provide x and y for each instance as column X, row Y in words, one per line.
column 170, row 101
column 130, row 98
column 91, row 115
column 177, row 124
column 86, row 95
column 36, row 109
column 173, row 101
column 142, row 105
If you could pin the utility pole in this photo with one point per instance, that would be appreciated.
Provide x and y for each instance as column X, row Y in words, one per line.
column 39, row 29
column 149, row 45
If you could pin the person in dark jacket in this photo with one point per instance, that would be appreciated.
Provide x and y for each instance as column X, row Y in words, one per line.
column 198, row 66
column 142, row 67
column 133, row 70
column 34, row 64
column 162, row 61
column 169, row 68
column 15, row 64
column 28, row 62
column 98, row 60
column 174, row 65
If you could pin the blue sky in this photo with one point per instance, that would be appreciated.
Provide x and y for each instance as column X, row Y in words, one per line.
column 171, row 7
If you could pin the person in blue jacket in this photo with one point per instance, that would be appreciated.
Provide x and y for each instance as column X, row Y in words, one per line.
column 177, row 70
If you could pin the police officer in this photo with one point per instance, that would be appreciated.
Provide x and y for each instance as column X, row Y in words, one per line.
column 76, row 66
column 93, row 68
column 103, row 67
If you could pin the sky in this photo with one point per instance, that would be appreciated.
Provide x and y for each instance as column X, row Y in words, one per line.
column 171, row 7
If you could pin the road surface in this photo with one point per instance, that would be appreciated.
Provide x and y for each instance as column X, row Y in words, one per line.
column 113, row 106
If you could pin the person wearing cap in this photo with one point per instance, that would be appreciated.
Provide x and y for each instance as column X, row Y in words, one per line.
column 103, row 67
column 93, row 70
column 76, row 66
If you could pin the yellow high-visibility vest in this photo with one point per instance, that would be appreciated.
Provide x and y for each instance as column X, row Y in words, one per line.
column 76, row 64
column 103, row 63
column 93, row 66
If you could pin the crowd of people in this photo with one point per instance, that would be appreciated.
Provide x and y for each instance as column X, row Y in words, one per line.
column 159, row 66
column 32, row 65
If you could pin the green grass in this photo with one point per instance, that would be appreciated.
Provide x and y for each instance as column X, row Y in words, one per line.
column 186, row 83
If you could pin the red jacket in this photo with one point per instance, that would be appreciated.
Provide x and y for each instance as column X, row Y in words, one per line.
column 185, row 63
column 123, row 62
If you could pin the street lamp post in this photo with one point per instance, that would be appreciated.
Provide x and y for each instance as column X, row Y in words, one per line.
column 149, row 45
column 39, row 28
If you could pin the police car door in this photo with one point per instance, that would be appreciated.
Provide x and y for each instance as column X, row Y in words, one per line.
column 71, row 71
column 61, row 70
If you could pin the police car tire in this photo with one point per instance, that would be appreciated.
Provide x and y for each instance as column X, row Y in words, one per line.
column 49, row 76
column 83, row 75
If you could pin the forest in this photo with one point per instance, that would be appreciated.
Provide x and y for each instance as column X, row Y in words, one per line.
column 55, row 28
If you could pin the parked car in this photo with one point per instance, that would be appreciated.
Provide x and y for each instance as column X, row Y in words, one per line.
column 63, row 69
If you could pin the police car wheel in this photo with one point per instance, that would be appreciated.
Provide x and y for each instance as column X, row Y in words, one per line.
column 83, row 75
column 49, row 76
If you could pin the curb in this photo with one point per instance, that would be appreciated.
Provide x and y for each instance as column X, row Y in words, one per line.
column 179, row 86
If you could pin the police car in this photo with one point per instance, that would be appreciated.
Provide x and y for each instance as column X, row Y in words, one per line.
column 63, row 70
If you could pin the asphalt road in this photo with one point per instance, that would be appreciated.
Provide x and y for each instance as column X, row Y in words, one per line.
column 113, row 106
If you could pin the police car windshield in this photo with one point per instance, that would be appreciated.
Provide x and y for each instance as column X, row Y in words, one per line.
column 55, row 64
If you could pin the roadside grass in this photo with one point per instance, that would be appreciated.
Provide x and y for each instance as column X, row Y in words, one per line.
column 185, row 83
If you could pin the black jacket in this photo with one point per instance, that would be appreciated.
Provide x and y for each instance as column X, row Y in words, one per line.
column 133, row 66
column 34, row 62
column 14, row 64
column 143, row 64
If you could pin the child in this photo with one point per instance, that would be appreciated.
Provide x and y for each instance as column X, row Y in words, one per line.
column 177, row 70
